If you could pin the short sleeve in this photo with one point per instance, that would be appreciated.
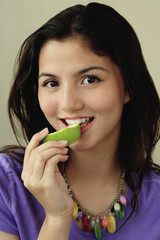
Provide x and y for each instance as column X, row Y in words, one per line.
column 20, row 212
column 7, row 222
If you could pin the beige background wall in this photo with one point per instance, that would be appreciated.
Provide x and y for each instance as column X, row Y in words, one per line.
column 19, row 18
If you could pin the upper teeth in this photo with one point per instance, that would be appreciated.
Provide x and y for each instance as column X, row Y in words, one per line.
column 76, row 121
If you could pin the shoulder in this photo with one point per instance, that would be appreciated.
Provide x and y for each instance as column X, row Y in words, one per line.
column 16, row 201
column 11, row 165
column 152, row 179
column 10, row 170
column 11, row 162
column 150, row 190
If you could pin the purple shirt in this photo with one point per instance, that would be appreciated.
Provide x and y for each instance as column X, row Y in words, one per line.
column 22, row 215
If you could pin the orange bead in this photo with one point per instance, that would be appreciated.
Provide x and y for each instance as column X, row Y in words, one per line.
column 104, row 222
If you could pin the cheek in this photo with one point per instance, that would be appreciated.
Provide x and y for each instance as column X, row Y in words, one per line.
column 47, row 105
column 107, row 100
column 101, row 101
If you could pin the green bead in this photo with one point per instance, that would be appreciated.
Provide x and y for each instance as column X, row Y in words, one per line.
column 118, row 215
column 121, row 214
column 98, row 230
column 122, row 191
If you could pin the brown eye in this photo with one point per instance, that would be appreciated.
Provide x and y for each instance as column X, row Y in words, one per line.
column 51, row 84
column 90, row 80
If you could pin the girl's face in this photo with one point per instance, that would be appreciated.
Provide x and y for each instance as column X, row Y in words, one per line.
column 76, row 85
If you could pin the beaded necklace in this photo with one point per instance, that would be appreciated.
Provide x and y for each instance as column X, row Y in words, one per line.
column 105, row 219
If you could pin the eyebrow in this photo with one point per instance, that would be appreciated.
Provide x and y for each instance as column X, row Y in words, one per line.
column 46, row 75
column 92, row 68
column 79, row 73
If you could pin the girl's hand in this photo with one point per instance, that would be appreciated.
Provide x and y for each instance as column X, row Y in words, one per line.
column 42, row 177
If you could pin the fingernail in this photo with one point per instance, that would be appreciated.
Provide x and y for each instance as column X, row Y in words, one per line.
column 63, row 142
column 44, row 131
column 66, row 157
column 66, row 150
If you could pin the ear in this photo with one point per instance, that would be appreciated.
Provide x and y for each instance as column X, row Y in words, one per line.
column 126, row 98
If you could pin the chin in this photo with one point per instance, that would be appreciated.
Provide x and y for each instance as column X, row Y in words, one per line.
column 81, row 146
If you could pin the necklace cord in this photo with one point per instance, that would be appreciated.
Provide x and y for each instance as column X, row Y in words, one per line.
column 106, row 211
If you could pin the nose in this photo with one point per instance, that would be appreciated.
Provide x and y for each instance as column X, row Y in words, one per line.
column 71, row 99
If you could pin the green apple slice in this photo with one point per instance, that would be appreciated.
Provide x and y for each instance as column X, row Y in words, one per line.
column 71, row 134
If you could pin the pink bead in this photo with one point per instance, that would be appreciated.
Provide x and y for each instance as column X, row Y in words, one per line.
column 123, row 200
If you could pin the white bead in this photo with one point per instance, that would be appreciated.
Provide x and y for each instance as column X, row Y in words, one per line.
column 117, row 207
column 92, row 223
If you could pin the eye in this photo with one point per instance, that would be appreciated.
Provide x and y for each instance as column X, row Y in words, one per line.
column 90, row 80
column 50, row 84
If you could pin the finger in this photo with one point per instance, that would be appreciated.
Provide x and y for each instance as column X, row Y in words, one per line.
column 51, row 168
column 36, row 139
column 41, row 154
column 46, row 151
column 41, row 160
column 52, row 144
column 32, row 145
column 34, row 148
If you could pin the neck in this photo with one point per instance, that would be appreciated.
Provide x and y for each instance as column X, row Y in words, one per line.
column 96, row 166
column 94, row 176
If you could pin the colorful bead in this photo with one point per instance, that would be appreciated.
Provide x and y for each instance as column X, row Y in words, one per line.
column 123, row 200
column 75, row 210
column 92, row 222
column 103, row 219
column 120, row 215
column 86, row 224
column 98, row 230
column 104, row 222
column 117, row 207
column 122, row 192
column 80, row 216
column 122, row 211
column 111, row 224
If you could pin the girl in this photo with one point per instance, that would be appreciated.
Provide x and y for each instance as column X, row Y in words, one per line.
column 83, row 66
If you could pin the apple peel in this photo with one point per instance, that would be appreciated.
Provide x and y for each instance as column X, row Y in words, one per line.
column 71, row 134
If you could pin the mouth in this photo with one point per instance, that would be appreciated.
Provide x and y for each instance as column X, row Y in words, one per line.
column 82, row 121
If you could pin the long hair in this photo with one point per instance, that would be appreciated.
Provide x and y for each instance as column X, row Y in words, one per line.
column 107, row 33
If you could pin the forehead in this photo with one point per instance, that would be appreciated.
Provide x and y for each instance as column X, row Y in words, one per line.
column 66, row 46
column 72, row 51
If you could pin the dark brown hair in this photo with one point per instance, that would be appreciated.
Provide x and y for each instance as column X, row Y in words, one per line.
column 106, row 33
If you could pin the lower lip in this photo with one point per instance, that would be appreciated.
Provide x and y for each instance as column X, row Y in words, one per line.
column 86, row 127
